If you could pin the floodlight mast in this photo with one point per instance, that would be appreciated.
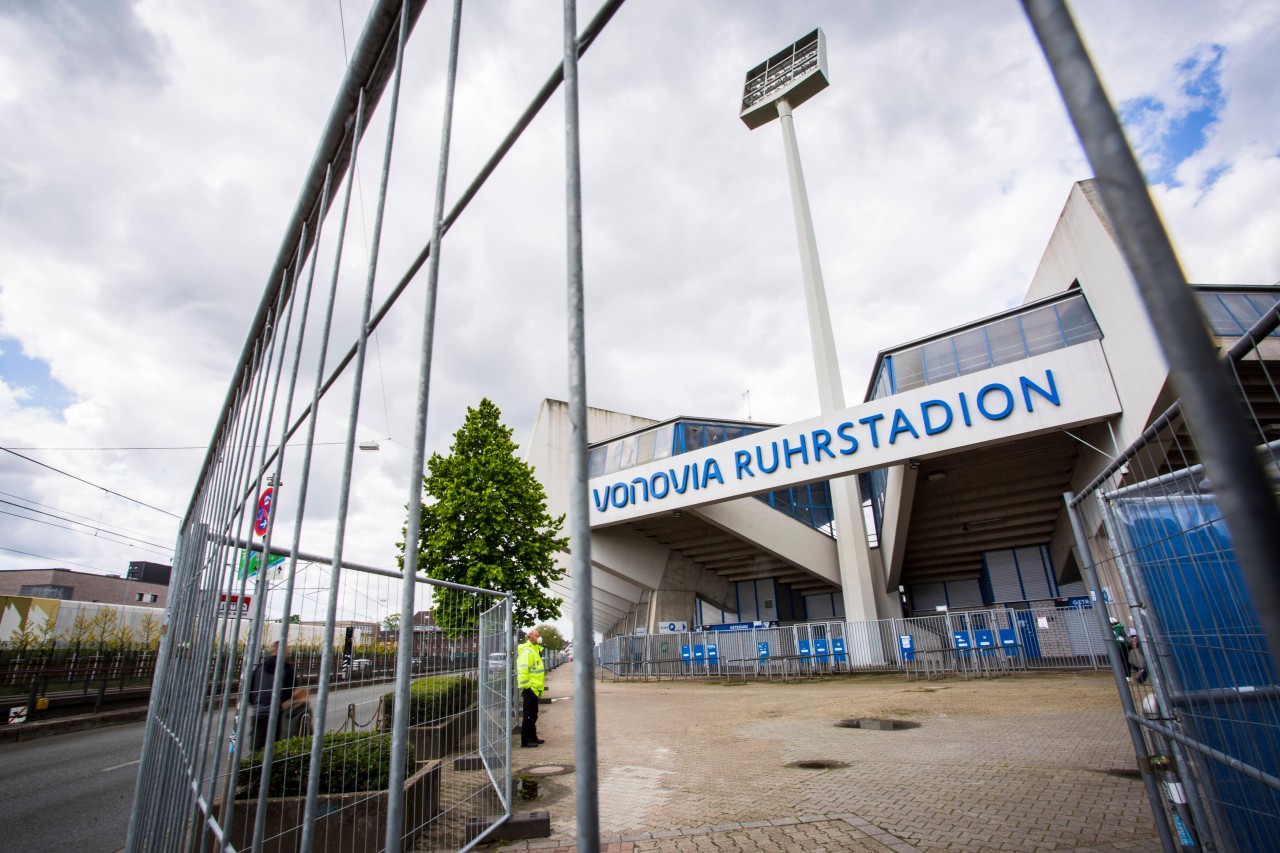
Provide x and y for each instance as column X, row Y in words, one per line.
column 773, row 88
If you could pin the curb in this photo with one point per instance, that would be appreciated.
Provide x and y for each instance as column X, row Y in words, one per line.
column 65, row 725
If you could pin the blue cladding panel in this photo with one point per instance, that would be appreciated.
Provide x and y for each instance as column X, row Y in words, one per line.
column 1205, row 614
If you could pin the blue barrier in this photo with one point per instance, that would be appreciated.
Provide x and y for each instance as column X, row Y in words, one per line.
column 837, row 646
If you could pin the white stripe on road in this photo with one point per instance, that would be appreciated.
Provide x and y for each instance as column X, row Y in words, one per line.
column 118, row 766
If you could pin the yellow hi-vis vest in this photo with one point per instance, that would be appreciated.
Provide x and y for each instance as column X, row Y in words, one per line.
column 529, row 671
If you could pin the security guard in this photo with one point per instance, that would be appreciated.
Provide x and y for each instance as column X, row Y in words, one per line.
column 531, row 679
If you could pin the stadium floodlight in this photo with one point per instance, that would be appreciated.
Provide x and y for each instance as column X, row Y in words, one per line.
column 773, row 88
column 796, row 73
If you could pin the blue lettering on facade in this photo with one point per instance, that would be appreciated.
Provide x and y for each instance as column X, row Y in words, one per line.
column 1028, row 386
column 788, row 451
column 901, row 425
column 821, row 442
column 643, row 482
column 760, row 459
column 843, row 432
column 982, row 401
column 936, row 415
column 930, row 428
column 870, row 421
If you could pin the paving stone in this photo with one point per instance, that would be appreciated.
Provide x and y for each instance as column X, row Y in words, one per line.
column 1013, row 764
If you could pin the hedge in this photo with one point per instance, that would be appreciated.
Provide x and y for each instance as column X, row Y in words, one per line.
column 350, row 761
column 432, row 699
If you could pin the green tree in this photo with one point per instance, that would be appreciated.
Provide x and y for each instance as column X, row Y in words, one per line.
column 552, row 639
column 485, row 524
column 391, row 624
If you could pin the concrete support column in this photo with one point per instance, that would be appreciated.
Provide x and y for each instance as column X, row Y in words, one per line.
column 856, row 579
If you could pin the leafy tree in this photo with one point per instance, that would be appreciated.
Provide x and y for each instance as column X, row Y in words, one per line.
column 149, row 632
column 391, row 624
column 552, row 639
column 487, row 526
column 80, row 630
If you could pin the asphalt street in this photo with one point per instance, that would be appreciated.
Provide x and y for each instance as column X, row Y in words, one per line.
column 69, row 792
column 74, row 791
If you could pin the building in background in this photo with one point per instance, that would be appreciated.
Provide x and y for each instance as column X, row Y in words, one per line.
column 969, row 514
column 70, row 585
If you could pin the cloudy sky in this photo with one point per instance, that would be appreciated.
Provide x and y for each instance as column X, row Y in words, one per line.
column 153, row 151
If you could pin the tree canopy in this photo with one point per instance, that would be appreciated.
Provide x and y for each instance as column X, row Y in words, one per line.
column 552, row 639
column 485, row 524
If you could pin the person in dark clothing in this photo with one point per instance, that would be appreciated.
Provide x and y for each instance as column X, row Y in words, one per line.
column 260, row 698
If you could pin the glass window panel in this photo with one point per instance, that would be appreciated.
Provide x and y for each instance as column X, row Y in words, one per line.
column 614, row 461
column 1263, row 302
column 908, row 370
column 692, row 437
column 715, row 435
column 882, row 383
column 1220, row 320
column 1242, row 309
column 629, row 448
column 662, row 439
column 939, row 360
column 644, row 448
column 971, row 351
column 1041, row 330
column 595, row 462
column 1005, row 337
column 1077, row 321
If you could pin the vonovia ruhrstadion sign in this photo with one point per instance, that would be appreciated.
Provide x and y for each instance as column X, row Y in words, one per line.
column 1057, row 390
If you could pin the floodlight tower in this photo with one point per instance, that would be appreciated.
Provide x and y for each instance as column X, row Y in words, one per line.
column 773, row 88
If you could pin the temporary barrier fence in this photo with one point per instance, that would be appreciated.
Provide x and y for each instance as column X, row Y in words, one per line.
column 208, row 743
column 1197, row 678
column 1031, row 636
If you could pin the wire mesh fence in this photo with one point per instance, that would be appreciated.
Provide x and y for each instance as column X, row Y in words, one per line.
column 254, row 751
column 1036, row 635
column 303, row 700
column 1195, row 673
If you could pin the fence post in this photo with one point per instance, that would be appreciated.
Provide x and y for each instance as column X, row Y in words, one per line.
column 1117, row 670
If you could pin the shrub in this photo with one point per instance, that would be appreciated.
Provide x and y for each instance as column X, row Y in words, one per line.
column 350, row 761
column 432, row 699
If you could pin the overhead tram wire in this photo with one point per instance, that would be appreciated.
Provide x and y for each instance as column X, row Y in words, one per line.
column 81, row 523
column 74, row 515
column 51, row 559
column 87, row 483
column 86, row 533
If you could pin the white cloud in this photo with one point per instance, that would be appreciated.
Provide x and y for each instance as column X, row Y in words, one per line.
column 152, row 160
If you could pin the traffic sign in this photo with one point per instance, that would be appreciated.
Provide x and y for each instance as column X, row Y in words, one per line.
column 263, row 514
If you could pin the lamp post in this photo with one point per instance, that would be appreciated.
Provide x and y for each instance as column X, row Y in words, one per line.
column 772, row 90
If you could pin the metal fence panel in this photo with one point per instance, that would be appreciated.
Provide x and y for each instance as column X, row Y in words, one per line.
column 1197, row 677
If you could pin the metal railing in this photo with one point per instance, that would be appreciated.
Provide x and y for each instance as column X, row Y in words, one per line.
column 1003, row 640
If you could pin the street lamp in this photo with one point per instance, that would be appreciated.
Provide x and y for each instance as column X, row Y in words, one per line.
column 773, row 88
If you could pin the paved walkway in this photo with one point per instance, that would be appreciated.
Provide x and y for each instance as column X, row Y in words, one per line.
column 1025, row 763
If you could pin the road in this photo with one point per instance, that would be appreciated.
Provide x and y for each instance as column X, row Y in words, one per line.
column 74, row 791
column 69, row 792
